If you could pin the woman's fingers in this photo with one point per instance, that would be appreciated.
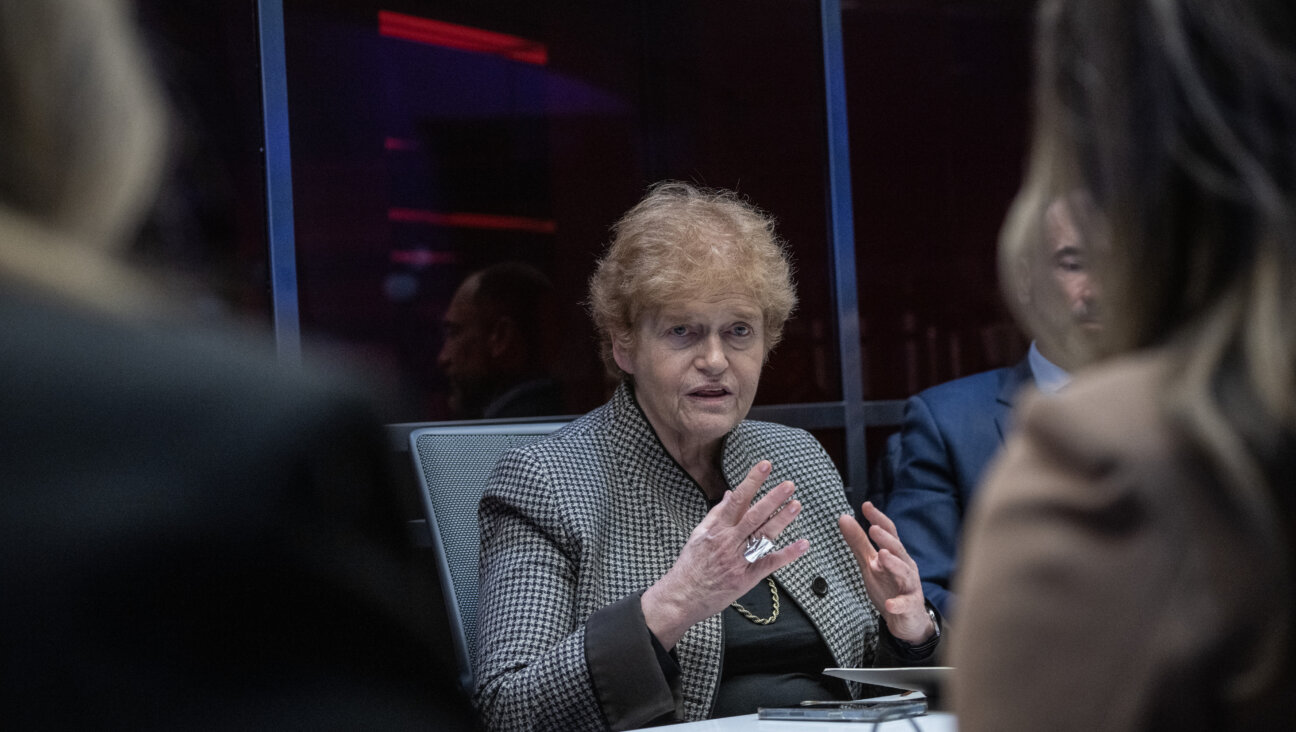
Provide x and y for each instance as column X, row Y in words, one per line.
column 875, row 517
column 903, row 572
column 770, row 506
column 781, row 519
column 712, row 569
column 883, row 531
column 887, row 540
column 739, row 499
column 889, row 555
column 856, row 539
column 768, row 564
column 767, row 517
column 890, row 575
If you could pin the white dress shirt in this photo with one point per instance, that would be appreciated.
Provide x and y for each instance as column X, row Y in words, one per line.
column 1049, row 377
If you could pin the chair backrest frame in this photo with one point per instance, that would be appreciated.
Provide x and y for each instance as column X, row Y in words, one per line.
column 451, row 490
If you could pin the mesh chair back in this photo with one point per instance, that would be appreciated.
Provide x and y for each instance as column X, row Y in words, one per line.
column 453, row 464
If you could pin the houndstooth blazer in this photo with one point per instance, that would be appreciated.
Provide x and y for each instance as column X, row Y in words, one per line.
column 575, row 527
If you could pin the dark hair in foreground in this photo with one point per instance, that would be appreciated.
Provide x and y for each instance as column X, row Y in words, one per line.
column 1179, row 118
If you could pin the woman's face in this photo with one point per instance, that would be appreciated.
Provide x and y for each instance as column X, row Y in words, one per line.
column 696, row 365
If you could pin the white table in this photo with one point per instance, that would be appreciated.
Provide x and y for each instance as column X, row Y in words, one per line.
column 932, row 722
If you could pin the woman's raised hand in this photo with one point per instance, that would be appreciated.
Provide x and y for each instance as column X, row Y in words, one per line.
column 890, row 575
column 712, row 571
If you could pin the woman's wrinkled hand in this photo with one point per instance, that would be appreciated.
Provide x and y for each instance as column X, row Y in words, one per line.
column 890, row 575
column 711, row 571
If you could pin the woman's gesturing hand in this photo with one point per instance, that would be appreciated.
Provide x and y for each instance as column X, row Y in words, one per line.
column 711, row 571
column 890, row 575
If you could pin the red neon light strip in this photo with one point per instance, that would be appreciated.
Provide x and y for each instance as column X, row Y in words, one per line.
column 398, row 143
column 422, row 257
column 471, row 220
column 461, row 37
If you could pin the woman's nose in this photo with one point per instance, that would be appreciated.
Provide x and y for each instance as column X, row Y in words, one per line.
column 711, row 358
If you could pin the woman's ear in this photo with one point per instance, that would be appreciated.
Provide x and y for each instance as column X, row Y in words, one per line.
column 621, row 353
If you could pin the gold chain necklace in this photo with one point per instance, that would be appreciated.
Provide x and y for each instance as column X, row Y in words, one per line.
column 759, row 620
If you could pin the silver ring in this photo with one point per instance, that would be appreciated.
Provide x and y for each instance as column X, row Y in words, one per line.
column 757, row 547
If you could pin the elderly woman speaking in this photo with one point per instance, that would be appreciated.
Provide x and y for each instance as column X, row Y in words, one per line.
column 635, row 564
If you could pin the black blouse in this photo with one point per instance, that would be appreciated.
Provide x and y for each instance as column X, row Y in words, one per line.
column 774, row 665
column 781, row 664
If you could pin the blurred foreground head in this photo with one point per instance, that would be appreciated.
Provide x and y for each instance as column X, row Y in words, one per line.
column 1177, row 120
column 84, row 132
column 193, row 538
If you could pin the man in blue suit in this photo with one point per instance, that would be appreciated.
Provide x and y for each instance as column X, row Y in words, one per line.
column 951, row 431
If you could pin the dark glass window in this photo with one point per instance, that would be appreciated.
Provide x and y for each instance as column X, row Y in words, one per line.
column 938, row 100
column 433, row 139
column 207, row 229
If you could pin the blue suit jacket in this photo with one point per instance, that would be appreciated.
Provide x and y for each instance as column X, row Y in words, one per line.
column 949, row 434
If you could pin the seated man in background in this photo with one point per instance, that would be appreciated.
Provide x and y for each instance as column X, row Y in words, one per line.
column 191, row 537
column 495, row 344
column 951, row 431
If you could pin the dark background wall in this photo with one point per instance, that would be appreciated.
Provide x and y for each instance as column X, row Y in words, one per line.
column 726, row 93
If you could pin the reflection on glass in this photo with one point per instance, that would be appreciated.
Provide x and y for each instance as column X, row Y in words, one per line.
column 432, row 140
column 937, row 95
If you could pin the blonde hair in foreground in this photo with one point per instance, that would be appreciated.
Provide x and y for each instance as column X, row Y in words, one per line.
column 681, row 242
column 82, row 136
column 1178, row 117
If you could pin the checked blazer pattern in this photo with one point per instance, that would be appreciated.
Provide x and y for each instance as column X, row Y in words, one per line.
column 576, row 526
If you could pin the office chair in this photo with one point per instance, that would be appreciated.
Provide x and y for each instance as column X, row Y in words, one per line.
column 453, row 463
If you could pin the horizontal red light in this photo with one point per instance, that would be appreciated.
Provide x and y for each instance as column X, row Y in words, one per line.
column 471, row 220
column 461, row 37
column 399, row 143
column 422, row 257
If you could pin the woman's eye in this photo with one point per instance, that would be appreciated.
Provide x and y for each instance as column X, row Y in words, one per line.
column 742, row 331
column 679, row 330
